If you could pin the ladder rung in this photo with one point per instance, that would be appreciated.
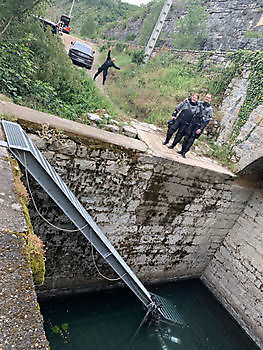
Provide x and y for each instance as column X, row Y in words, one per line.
column 107, row 255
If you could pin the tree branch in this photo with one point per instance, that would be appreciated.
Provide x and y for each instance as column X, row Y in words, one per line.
column 7, row 25
column 19, row 14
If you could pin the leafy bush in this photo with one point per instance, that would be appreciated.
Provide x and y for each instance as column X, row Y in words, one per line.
column 35, row 71
column 131, row 37
column 138, row 56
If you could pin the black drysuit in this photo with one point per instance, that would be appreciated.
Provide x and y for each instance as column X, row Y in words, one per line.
column 179, row 124
column 104, row 68
column 199, row 121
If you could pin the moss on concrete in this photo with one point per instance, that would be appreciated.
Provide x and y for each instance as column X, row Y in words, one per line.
column 34, row 246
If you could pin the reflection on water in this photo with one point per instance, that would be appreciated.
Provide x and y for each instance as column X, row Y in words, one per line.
column 109, row 320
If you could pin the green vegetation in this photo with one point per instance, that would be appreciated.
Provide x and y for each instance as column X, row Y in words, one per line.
column 221, row 153
column 243, row 60
column 102, row 13
column 191, row 30
column 36, row 71
column 252, row 35
column 34, row 250
column 62, row 331
column 88, row 27
column 150, row 92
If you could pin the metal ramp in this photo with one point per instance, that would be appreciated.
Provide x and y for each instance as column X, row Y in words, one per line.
column 20, row 145
column 157, row 30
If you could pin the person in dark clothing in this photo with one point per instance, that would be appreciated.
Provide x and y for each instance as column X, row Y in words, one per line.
column 199, row 121
column 106, row 65
column 187, row 108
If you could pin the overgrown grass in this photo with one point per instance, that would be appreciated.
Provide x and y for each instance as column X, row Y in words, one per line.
column 151, row 92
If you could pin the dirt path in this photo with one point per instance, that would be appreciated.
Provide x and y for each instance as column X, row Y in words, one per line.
column 67, row 39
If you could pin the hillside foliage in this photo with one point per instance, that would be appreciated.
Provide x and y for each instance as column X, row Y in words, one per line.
column 89, row 18
column 36, row 71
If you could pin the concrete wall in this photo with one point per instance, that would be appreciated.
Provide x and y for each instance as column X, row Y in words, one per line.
column 165, row 218
column 235, row 274
column 21, row 324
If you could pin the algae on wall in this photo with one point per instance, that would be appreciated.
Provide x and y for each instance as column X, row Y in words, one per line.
column 34, row 246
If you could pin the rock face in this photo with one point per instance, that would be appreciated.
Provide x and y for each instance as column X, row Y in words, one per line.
column 233, row 100
column 229, row 21
column 232, row 25
column 250, row 139
column 249, row 143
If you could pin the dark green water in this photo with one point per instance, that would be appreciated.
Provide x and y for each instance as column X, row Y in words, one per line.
column 108, row 320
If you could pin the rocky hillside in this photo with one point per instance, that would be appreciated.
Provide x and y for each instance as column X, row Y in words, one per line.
column 232, row 25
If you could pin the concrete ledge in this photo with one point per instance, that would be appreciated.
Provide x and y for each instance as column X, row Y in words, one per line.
column 40, row 118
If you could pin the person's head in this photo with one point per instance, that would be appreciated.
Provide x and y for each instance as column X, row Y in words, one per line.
column 194, row 97
column 113, row 59
column 208, row 98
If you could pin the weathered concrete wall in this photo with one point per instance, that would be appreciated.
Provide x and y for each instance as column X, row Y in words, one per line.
column 21, row 324
column 165, row 218
column 235, row 274
column 249, row 143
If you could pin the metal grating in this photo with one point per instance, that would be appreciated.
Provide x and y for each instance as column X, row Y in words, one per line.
column 52, row 183
column 14, row 136
column 168, row 310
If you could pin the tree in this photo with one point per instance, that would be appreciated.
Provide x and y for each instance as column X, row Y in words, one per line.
column 191, row 30
column 10, row 10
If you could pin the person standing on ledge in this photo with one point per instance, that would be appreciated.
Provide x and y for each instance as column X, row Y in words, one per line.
column 187, row 109
column 199, row 121
column 105, row 66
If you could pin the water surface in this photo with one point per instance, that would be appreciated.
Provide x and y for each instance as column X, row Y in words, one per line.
column 108, row 320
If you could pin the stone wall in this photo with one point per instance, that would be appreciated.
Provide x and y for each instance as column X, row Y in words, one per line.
column 231, row 25
column 235, row 274
column 165, row 218
column 21, row 323
column 249, row 143
column 168, row 220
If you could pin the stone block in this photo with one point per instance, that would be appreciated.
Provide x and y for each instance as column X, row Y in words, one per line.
column 68, row 147
column 83, row 164
column 130, row 131
column 94, row 118
column 112, row 128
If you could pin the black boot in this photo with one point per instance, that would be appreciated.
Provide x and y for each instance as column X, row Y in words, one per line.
column 180, row 152
column 165, row 142
column 183, row 155
column 171, row 146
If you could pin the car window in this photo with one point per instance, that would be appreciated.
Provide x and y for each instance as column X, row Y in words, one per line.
column 83, row 47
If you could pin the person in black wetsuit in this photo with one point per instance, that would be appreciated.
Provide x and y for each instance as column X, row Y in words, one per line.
column 187, row 108
column 199, row 121
column 106, row 65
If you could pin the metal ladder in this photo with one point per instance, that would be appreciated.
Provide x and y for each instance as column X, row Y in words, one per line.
column 23, row 149
column 157, row 30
